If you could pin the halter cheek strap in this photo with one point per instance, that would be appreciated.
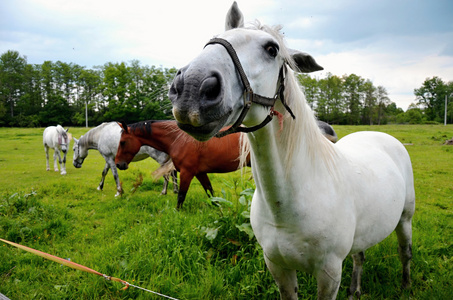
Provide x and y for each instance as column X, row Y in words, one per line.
column 249, row 96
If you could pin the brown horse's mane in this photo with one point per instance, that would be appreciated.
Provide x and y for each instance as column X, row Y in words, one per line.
column 145, row 127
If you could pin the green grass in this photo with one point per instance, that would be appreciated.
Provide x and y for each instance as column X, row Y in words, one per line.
column 198, row 252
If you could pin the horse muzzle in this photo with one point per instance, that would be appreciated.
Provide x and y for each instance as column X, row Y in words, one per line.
column 197, row 96
column 122, row 165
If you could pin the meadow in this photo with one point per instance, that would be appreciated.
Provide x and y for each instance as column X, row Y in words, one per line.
column 205, row 250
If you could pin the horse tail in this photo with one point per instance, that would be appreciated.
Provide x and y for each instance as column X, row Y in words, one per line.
column 164, row 169
column 244, row 151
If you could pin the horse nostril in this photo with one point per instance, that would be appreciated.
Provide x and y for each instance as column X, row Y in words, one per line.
column 210, row 88
column 177, row 86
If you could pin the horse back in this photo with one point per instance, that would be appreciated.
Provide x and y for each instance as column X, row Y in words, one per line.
column 50, row 136
column 371, row 142
column 380, row 167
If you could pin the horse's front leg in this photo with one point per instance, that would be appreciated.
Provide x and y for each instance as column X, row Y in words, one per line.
column 286, row 280
column 63, row 165
column 104, row 173
column 119, row 188
column 328, row 278
column 56, row 155
column 47, row 158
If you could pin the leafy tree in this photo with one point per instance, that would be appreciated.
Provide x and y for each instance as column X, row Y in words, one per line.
column 369, row 102
column 12, row 67
column 383, row 101
column 352, row 93
column 310, row 87
column 431, row 95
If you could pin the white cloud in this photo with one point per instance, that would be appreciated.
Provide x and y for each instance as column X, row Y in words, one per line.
column 395, row 44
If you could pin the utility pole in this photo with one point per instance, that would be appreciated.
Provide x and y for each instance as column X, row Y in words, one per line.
column 445, row 115
column 86, row 114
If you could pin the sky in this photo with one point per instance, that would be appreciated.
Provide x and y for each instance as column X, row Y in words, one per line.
column 394, row 43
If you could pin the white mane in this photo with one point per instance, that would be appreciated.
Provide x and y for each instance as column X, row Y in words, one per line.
column 304, row 128
column 90, row 139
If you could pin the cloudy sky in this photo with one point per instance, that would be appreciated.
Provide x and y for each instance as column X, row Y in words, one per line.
column 394, row 43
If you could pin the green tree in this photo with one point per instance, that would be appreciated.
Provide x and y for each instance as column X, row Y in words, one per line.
column 12, row 67
column 383, row 101
column 310, row 88
column 369, row 102
column 431, row 95
column 352, row 93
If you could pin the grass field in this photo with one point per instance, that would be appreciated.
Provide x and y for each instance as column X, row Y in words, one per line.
column 203, row 251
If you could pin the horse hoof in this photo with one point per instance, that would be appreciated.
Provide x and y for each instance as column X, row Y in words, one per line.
column 63, row 173
column 117, row 194
column 48, row 169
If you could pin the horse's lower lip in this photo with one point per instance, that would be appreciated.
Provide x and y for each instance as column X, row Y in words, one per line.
column 206, row 131
column 201, row 133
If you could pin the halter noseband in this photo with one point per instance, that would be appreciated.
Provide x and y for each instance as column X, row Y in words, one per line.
column 249, row 96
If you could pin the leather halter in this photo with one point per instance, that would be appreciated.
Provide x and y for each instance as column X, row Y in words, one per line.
column 249, row 96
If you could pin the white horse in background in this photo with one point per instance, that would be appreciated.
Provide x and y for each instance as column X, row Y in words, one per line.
column 105, row 138
column 315, row 202
column 57, row 138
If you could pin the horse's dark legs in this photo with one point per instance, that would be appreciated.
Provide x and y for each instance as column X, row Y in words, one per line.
column 206, row 183
column 185, row 178
column 181, row 198
column 354, row 289
column 104, row 173
column 404, row 234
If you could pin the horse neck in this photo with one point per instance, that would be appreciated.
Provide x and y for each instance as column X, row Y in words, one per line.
column 161, row 135
column 91, row 139
column 294, row 153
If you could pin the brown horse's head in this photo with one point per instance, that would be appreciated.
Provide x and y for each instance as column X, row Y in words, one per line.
column 127, row 148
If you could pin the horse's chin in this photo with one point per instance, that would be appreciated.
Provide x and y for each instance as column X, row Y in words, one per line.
column 204, row 131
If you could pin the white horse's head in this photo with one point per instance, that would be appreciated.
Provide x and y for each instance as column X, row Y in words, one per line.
column 80, row 153
column 208, row 93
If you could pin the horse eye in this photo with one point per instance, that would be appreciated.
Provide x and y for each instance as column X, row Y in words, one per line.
column 272, row 49
column 122, row 143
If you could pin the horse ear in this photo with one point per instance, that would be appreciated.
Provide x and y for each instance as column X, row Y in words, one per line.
column 124, row 126
column 305, row 62
column 234, row 18
column 76, row 140
column 67, row 129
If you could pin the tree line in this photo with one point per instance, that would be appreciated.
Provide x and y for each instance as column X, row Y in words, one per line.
column 353, row 100
column 63, row 93
column 39, row 95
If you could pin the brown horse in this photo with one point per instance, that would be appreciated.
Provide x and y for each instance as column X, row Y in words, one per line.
column 190, row 157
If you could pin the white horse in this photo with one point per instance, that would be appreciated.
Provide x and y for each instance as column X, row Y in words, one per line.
column 315, row 202
column 57, row 138
column 105, row 138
